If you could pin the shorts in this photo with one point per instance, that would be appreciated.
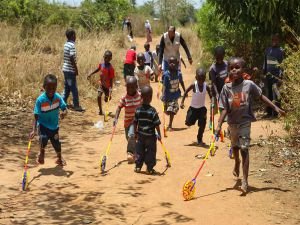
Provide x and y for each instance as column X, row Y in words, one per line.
column 46, row 134
column 128, row 70
column 104, row 90
column 171, row 106
column 196, row 114
column 240, row 135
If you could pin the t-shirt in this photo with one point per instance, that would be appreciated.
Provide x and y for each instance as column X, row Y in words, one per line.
column 130, row 57
column 148, row 57
column 171, row 84
column 273, row 57
column 69, row 51
column 130, row 103
column 48, row 111
column 143, row 75
column 107, row 73
column 218, row 74
column 237, row 100
column 147, row 119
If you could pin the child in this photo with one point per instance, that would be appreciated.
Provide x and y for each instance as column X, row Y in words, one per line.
column 129, row 63
column 218, row 72
column 197, row 110
column 146, row 121
column 148, row 55
column 171, row 91
column 46, row 115
column 142, row 72
column 155, row 63
column 274, row 55
column 236, row 100
column 130, row 102
column 107, row 74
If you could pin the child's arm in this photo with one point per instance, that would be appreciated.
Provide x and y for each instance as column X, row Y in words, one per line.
column 209, row 91
column 135, row 129
column 96, row 71
column 34, row 128
column 273, row 106
column 220, row 122
column 183, row 62
column 158, row 132
column 182, row 85
column 117, row 116
column 185, row 94
column 63, row 114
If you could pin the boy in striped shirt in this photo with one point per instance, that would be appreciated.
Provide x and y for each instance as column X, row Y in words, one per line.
column 130, row 102
column 146, row 121
column 46, row 114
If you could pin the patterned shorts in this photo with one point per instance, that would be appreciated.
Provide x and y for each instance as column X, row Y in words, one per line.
column 240, row 135
column 171, row 106
column 101, row 90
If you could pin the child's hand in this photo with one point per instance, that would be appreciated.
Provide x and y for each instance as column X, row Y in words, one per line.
column 182, row 105
column 217, row 132
column 63, row 114
column 158, row 137
column 88, row 77
column 32, row 134
column 280, row 111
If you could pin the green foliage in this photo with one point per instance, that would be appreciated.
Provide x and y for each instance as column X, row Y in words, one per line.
column 103, row 14
column 291, row 93
column 264, row 15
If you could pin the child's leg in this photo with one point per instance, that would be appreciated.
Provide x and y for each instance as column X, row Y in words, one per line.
column 234, row 138
column 150, row 155
column 245, row 164
column 99, row 99
column 171, row 120
column 131, row 144
column 236, row 169
column 140, row 153
column 202, row 114
column 54, row 138
column 172, row 109
column 67, row 89
column 43, row 139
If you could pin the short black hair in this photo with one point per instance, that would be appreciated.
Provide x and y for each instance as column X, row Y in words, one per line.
column 146, row 45
column 70, row 33
column 243, row 63
column 108, row 53
column 133, row 47
column 49, row 78
column 146, row 91
column 140, row 55
column 201, row 71
column 219, row 50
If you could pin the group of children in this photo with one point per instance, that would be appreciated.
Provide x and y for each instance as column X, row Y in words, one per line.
column 229, row 90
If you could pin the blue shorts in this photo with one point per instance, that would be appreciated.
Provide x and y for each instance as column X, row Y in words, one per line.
column 46, row 134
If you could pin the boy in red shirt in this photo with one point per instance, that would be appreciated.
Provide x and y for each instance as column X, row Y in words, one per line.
column 130, row 101
column 107, row 74
column 129, row 63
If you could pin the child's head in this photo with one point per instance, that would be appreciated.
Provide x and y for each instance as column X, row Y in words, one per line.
column 131, row 85
column 219, row 54
column 141, row 59
column 173, row 63
column 107, row 56
column 157, row 48
column 133, row 47
column 236, row 67
column 50, row 85
column 146, row 93
column 147, row 46
column 200, row 75
column 70, row 34
column 275, row 40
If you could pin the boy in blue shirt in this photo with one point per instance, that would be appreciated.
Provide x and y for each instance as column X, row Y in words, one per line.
column 46, row 115
column 171, row 92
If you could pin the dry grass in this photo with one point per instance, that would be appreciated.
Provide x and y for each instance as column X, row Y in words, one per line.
column 25, row 62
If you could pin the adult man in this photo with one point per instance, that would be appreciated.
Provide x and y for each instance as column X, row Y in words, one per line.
column 169, row 46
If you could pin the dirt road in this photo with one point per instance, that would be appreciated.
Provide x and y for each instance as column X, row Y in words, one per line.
column 79, row 194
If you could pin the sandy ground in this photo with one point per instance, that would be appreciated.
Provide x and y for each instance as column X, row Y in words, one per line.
column 79, row 194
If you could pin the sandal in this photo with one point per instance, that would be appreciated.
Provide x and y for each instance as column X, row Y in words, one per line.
column 61, row 162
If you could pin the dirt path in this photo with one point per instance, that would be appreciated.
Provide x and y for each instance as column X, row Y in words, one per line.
column 79, row 194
